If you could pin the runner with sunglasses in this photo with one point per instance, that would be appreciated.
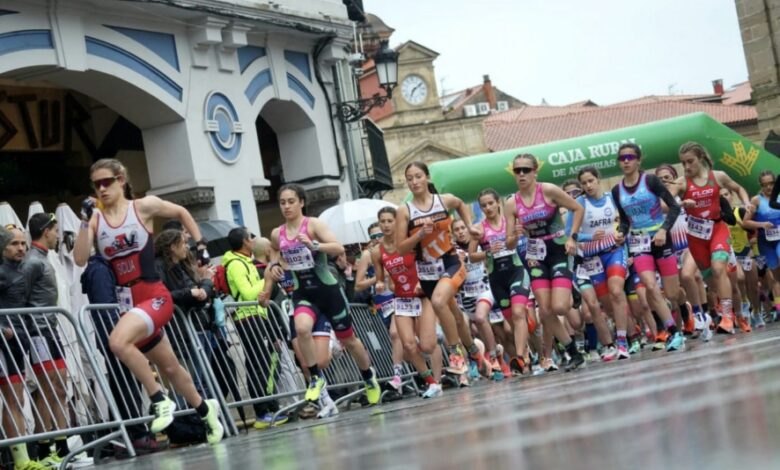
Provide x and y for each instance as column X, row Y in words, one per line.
column 708, row 234
column 122, row 229
column 506, row 274
column 765, row 214
column 305, row 244
column 643, row 225
column 414, row 316
column 423, row 227
column 534, row 212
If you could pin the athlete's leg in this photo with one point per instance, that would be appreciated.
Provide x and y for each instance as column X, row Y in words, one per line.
column 163, row 357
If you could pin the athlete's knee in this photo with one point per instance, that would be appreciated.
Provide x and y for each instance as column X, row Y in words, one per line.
column 302, row 330
column 119, row 346
column 410, row 347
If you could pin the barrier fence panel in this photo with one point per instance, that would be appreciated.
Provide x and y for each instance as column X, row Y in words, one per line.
column 30, row 341
column 132, row 400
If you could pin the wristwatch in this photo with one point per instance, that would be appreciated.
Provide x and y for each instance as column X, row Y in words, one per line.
column 201, row 242
column 574, row 236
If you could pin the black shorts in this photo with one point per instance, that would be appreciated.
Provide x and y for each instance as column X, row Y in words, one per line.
column 42, row 345
column 506, row 284
column 326, row 301
column 554, row 266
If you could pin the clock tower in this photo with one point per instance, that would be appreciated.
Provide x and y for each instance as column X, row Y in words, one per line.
column 416, row 99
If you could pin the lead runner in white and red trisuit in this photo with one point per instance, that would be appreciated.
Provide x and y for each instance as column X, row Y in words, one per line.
column 119, row 228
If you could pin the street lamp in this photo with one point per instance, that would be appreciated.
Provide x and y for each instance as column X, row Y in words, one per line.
column 386, row 64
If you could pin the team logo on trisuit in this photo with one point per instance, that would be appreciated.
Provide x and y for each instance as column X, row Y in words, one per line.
column 123, row 243
column 743, row 160
column 158, row 302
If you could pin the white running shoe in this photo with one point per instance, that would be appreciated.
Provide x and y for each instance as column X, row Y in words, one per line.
column 396, row 383
column 434, row 391
column 328, row 408
column 610, row 354
column 706, row 332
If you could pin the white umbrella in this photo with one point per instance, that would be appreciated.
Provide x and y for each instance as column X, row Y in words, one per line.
column 349, row 221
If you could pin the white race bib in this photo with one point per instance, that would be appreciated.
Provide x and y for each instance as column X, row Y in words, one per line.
column 474, row 288
column 536, row 250
column 125, row 298
column 495, row 316
column 772, row 234
column 299, row 258
column 639, row 243
column 746, row 262
column 593, row 266
column 700, row 228
column 430, row 271
column 40, row 350
column 408, row 307
column 386, row 308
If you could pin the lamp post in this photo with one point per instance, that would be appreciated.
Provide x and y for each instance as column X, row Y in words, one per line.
column 386, row 64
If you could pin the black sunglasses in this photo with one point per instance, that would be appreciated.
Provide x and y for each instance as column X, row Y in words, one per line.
column 376, row 236
column 522, row 170
column 104, row 182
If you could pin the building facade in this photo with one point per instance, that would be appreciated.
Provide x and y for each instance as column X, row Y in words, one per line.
column 210, row 104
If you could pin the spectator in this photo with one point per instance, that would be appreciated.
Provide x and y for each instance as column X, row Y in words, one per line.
column 256, row 334
column 99, row 284
column 47, row 355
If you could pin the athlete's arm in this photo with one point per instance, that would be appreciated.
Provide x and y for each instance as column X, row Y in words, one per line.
column 725, row 180
column 376, row 259
column 84, row 241
column 727, row 212
column 361, row 281
column 655, row 185
column 582, row 237
column 511, row 222
column 328, row 242
column 623, row 223
column 274, row 271
column 474, row 253
column 747, row 220
column 150, row 207
column 403, row 242
column 455, row 203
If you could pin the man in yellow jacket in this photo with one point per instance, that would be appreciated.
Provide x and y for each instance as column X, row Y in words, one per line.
column 258, row 335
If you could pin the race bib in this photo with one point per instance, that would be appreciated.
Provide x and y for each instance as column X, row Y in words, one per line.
column 593, row 266
column 125, row 298
column 474, row 288
column 474, row 272
column 639, row 243
column 495, row 316
column 772, row 234
column 746, row 262
column 430, row 271
column 408, row 307
column 536, row 250
column 386, row 308
column 299, row 258
column 498, row 249
column 700, row 228
column 39, row 350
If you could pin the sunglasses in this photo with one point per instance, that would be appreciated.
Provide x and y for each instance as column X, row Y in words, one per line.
column 574, row 192
column 522, row 170
column 627, row 157
column 376, row 236
column 12, row 227
column 104, row 182
column 52, row 220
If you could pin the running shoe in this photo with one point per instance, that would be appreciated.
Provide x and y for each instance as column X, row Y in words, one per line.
column 690, row 326
column 315, row 389
column 517, row 366
column 746, row 307
column 52, row 461
column 548, row 365
column 473, row 370
column 373, row 390
column 267, row 420
column 434, row 391
column 163, row 414
column 660, row 340
column 328, row 408
column 726, row 325
column 214, row 429
column 698, row 325
column 744, row 324
column 397, row 383
column 622, row 352
column 676, row 342
column 80, row 461
column 463, row 380
column 609, row 354
column 31, row 465
column 706, row 333
column 575, row 361
column 759, row 320
column 636, row 347
column 457, row 364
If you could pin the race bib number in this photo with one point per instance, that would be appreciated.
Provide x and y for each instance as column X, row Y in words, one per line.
column 495, row 316
column 408, row 307
column 498, row 249
column 299, row 258
column 430, row 271
column 772, row 234
column 639, row 243
column 125, row 298
column 40, row 350
column 474, row 288
column 592, row 266
column 700, row 228
column 386, row 308
column 746, row 262
column 536, row 250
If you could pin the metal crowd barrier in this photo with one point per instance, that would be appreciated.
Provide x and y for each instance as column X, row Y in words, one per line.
column 27, row 339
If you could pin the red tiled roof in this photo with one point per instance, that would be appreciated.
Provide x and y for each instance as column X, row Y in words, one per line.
column 524, row 113
column 738, row 94
column 502, row 134
column 661, row 99
column 459, row 98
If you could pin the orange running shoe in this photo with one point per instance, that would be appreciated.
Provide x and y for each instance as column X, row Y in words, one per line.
column 744, row 324
column 690, row 325
column 726, row 325
column 662, row 336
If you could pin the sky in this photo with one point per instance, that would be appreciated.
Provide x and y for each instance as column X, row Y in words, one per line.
column 564, row 51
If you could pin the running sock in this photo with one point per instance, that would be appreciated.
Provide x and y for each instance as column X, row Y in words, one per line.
column 19, row 454
column 697, row 311
column 684, row 312
column 157, row 396
column 777, row 304
column 202, row 409
column 671, row 326
column 43, row 448
column 591, row 337
column 427, row 376
column 727, row 309
column 571, row 348
column 658, row 324
column 314, row 371
column 367, row 374
column 61, row 444
column 493, row 354
column 706, row 307
column 398, row 369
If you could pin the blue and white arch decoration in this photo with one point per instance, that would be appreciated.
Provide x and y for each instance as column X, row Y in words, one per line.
column 223, row 128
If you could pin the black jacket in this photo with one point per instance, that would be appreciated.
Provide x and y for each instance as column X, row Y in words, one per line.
column 180, row 284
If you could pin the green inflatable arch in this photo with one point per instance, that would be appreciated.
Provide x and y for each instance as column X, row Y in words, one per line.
column 739, row 157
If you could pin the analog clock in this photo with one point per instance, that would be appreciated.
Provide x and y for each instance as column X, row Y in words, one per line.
column 414, row 90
